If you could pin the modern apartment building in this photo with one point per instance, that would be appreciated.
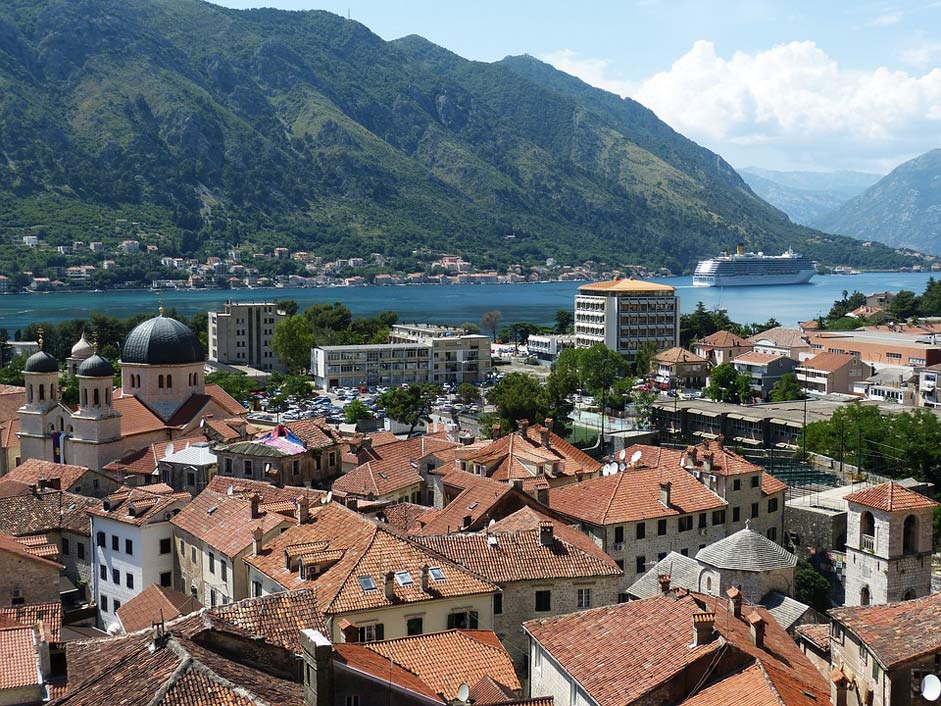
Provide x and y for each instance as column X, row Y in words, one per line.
column 449, row 358
column 881, row 348
column 626, row 314
column 241, row 334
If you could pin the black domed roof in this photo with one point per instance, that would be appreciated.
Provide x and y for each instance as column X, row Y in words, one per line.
column 96, row 367
column 41, row 362
column 162, row 341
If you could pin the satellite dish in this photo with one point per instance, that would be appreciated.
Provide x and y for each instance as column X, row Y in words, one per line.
column 202, row 423
column 623, row 454
column 327, row 498
column 115, row 629
column 609, row 469
column 169, row 450
column 931, row 687
column 492, row 522
column 622, row 466
column 230, row 489
column 463, row 692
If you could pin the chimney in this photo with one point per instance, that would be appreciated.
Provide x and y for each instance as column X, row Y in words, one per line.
column 524, row 427
column 720, row 441
column 692, row 452
column 707, row 461
column 258, row 540
column 544, row 434
column 735, row 601
column 390, row 586
column 253, row 501
column 757, row 629
column 665, row 494
column 424, row 577
column 546, row 533
column 664, row 580
column 703, row 627
column 318, row 672
column 302, row 509
column 542, row 496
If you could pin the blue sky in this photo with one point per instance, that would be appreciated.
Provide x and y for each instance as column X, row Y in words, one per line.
column 783, row 85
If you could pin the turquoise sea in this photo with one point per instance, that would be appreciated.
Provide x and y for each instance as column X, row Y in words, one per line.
column 456, row 304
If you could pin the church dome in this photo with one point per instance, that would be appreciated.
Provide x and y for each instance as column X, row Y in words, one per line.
column 96, row 367
column 83, row 349
column 162, row 341
column 746, row 550
column 41, row 362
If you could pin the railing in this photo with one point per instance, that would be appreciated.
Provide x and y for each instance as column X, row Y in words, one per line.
column 867, row 543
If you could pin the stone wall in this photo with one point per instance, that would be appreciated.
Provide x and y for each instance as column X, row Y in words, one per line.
column 36, row 582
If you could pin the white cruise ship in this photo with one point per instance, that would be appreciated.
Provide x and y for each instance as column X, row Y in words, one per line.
column 752, row 269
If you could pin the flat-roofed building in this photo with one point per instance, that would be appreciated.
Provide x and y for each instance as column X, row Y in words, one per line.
column 627, row 314
column 882, row 347
column 764, row 369
column 241, row 334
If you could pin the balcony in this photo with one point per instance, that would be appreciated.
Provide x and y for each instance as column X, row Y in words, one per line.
column 867, row 543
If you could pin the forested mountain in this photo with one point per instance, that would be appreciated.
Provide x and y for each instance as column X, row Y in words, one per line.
column 807, row 196
column 304, row 129
column 903, row 209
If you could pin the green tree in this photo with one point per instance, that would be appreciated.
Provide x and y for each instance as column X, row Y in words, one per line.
column 811, row 587
column 470, row 327
column 518, row 396
column 12, row 372
column 849, row 431
column 468, row 393
column 288, row 306
column 564, row 321
column 559, row 386
column 68, row 389
column 643, row 360
column 356, row 411
column 786, row 388
column 643, row 407
column 726, row 384
column 903, row 306
column 408, row 405
column 490, row 321
column 292, row 341
column 239, row 386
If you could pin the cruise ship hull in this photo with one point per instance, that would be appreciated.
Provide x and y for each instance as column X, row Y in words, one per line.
column 720, row 280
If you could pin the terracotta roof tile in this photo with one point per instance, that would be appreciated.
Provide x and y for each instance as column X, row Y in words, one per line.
column 136, row 417
column 723, row 339
column 896, row 632
column 678, row 355
column 781, row 337
column 478, row 495
column 757, row 686
column 153, row 604
column 620, row 653
column 60, row 476
column 890, row 497
column 755, row 358
column 816, row 633
column 278, row 618
column 19, row 657
column 403, row 516
column 369, row 549
column 771, row 485
column 28, row 615
column 315, row 433
column 625, row 284
column 827, row 362
column 45, row 511
column 11, row 399
column 137, row 506
column 511, row 550
column 13, row 546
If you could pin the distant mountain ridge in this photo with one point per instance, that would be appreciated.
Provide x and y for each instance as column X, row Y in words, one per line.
column 807, row 196
column 903, row 209
column 257, row 128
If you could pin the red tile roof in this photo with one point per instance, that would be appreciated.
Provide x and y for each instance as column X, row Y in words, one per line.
column 19, row 657
column 315, row 433
column 402, row 516
column 723, row 339
column 891, row 497
column 511, row 550
column 61, row 476
column 13, row 546
column 620, row 653
column 758, row 685
column 31, row 613
column 136, row 417
column 440, row 662
column 678, row 355
column 477, row 496
column 827, row 362
column 137, row 506
column 755, row 358
column 45, row 511
column 896, row 633
column 633, row 495
column 153, row 604
column 817, row 633
column 367, row 549
column 771, row 485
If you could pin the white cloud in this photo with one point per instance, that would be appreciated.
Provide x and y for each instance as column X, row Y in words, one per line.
column 589, row 70
column 886, row 19
column 922, row 55
column 788, row 106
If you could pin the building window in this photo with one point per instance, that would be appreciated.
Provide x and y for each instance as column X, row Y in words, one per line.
column 737, row 484
column 352, row 700
column 369, row 633
column 661, row 527
column 413, row 626
column 228, row 466
column 65, row 546
column 684, row 551
column 160, row 381
column 640, row 564
column 718, row 517
column 754, row 509
column 773, row 534
column 80, row 549
column 685, row 523
column 115, row 543
column 117, row 605
column 223, row 570
column 736, row 514
column 212, row 596
column 129, row 579
column 103, row 572
column 772, row 505
column 702, row 520
column 661, row 556
column 212, row 563
column 498, row 603
column 115, row 576
column 247, row 466
column 619, row 534
column 755, row 481
column 182, row 547
column 193, row 553
column 165, row 545
column 256, row 589
column 583, row 598
column 641, row 530
column 166, row 579
column 543, row 601
column 100, row 537
column 104, row 603
column 129, row 547
column 465, row 620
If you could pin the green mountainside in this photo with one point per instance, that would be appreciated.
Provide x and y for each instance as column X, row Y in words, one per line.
column 903, row 209
column 807, row 196
column 303, row 129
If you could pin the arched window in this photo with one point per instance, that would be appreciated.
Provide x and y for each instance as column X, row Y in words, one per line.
column 708, row 584
column 867, row 532
column 107, row 395
column 71, row 429
column 909, row 595
column 97, row 398
column 160, row 381
column 52, row 391
column 195, row 379
column 910, row 535
column 42, row 392
column 84, row 398
column 864, row 595
column 30, row 392
column 61, row 424
column 169, row 381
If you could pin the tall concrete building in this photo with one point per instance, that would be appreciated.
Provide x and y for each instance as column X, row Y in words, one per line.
column 241, row 335
column 626, row 314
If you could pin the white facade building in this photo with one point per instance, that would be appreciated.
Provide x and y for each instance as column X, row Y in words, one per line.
column 241, row 334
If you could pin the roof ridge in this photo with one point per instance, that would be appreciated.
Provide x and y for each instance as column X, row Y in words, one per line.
column 617, row 487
